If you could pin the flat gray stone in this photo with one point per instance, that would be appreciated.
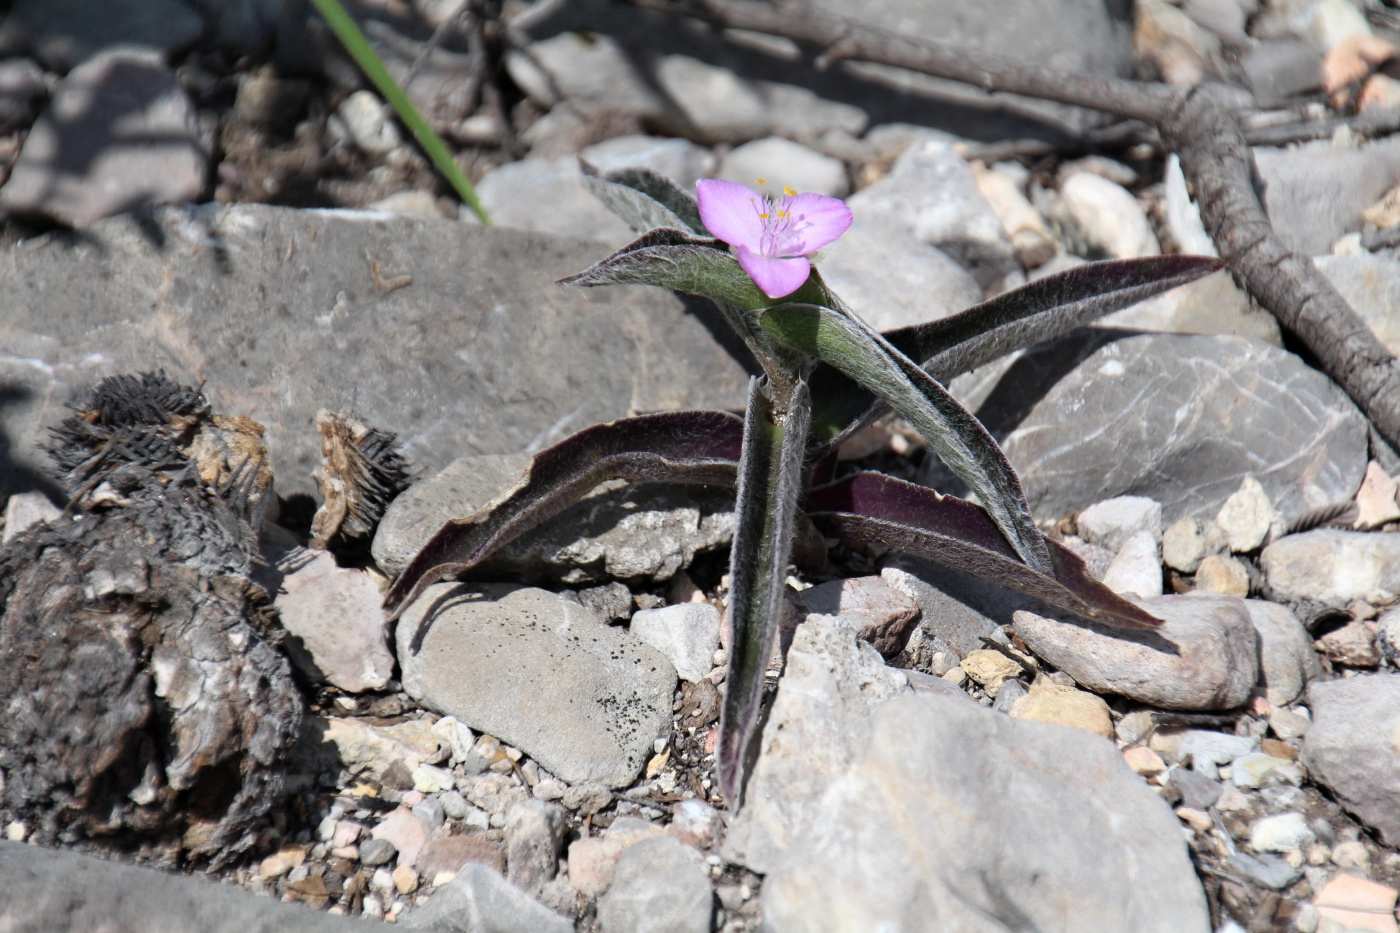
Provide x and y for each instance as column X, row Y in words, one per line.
column 678, row 159
column 1334, row 566
column 783, row 162
column 1052, row 832
column 1371, row 285
column 336, row 623
column 646, row 532
column 479, row 900
column 687, row 634
column 541, row 673
column 279, row 313
column 1287, row 661
column 119, row 133
column 660, row 885
column 1216, row 666
column 52, row 889
column 66, row 33
column 1351, row 747
column 1180, row 418
column 1315, row 192
column 548, row 196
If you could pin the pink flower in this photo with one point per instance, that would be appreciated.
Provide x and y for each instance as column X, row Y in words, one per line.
column 772, row 236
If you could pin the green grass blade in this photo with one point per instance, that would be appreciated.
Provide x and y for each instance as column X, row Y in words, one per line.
column 358, row 46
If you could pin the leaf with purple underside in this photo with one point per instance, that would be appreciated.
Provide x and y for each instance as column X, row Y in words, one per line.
column 643, row 199
column 677, row 447
column 1043, row 310
column 882, row 513
column 959, row 439
column 770, row 484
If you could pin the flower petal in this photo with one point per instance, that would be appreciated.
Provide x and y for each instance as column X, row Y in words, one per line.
column 730, row 211
column 776, row 278
column 819, row 218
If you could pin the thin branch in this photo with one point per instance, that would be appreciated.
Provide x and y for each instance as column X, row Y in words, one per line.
column 1202, row 125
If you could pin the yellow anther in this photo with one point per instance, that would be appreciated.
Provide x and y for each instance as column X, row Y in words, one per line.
column 760, row 181
column 764, row 216
column 790, row 191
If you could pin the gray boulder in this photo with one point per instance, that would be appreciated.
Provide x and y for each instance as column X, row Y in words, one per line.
column 1351, row 750
column 455, row 337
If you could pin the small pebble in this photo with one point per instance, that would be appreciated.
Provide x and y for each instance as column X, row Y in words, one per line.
column 1283, row 832
column 377, row 852
column 1220, row 573
column 405, row 880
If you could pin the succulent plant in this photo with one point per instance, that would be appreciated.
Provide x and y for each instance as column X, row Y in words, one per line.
column 825, row 374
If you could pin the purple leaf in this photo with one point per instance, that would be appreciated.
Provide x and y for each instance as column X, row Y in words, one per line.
column 682, row 447
column 879, row 512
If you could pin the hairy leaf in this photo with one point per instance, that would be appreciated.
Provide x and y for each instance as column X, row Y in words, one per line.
column 958, row 438
column 1042, row 310
column 877, row 511
column 676, row 260
column 685, row 447
column 643, row 199
column 770, row 483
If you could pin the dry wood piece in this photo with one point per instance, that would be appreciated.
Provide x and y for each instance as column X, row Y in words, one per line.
column 361, row 472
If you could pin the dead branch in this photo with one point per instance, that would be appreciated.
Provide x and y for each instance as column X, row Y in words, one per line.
column 1204, row 126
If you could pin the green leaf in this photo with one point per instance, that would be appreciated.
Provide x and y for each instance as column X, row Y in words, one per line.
column 676, row 260
column 683, row 447
column 770, row 483
column 359, row 48
column 882, row 513
column 1043, row 310
column 643, row 199
column 958, row 438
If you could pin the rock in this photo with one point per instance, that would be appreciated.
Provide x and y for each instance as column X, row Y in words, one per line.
column 1216, row 667
column 337, row 626
column 1378, row 499
column 1207, row 751
column 1110, row 523
column 660, row 886
column 360, row 747
column 1210, row 305
column 1355, row 903
column 1167, row 415
column 1334, row 567
column 678, row 159
column 696, row 823
column 1246, row 516
column 1258, row 769
column 1282, row 833
column 1350, row 748
column 1315, row 192
column 1286, row 657
column 25, row 509
column 368, row 123
column 1140, row 758
column 1170, row 40
column 1108, row 217
column 450, row 854
column 479, row 900
column 22, row 90
column 534, row 836
column 79, row 163
column 548, row 196
column 647, row 532
column 1197, row 790
column 405, row 831
column 919, row 282
column 593, row 354
column 593, row 860
column 817, row 726
column 456, row 736
column 1183, row 216
column 782, row 162
column 955, row 612
column 1223, row 575
column 1388, row 635
column 53, row 889
column 429, row 779
column 1031, row 240
column 375, row 851
column 931, row 195
column 884, row 615
column 1186, row 543
column 1137, row 568
column 1354, row 645
column 584, row 700
column 1065, row 706
column 1096, row 833
column 595, row 73
column 65, row 33
column 687, row 634
column 1371, row 286
column 989, row 669
column 1279, row 68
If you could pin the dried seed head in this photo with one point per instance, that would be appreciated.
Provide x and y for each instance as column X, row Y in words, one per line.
column 361, row 472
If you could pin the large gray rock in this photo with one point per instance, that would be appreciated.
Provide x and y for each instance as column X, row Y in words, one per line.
column 660, row 886
column 928, row 812
column 645, row 532
column 1351, row 747
column 1314, row 193
column 66, row 33
column 1334, row 566
column 283, row 312
column 60, row 890
column 1215, row 666
column 119, row 133
column 1180, row 418
column 479, row 900
column 540, row 672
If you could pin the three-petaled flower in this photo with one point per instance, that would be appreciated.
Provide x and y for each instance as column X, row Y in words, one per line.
column 772, row 237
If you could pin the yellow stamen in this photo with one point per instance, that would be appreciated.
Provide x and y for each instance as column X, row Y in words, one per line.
column 763, row 216
column 790, row 191
column 760, row 181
